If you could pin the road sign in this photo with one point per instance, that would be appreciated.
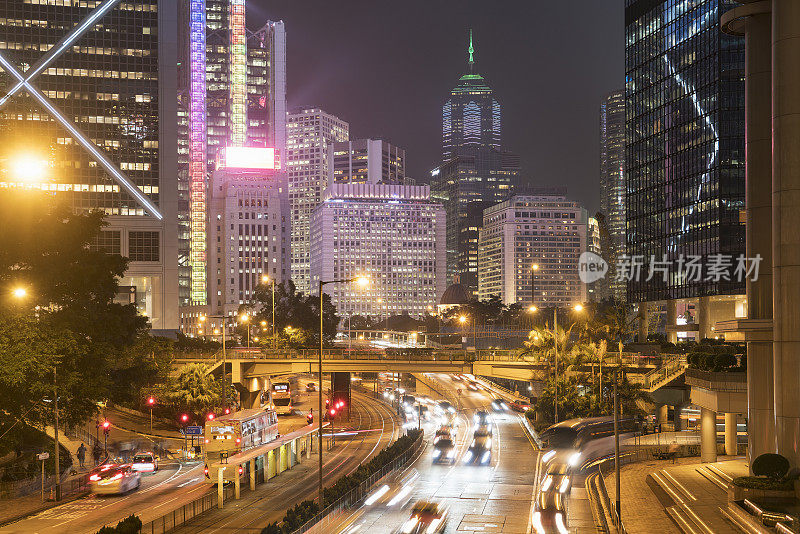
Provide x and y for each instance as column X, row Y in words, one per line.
column 43, row 456
column 193, row 430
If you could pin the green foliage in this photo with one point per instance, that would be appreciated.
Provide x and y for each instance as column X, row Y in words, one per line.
column 771, row 465
column 130, row 525
column 193, row 391
column 298, row 312
column 763, row 483
column 67, row 320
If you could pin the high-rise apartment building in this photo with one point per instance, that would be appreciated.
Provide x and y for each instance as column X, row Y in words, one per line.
column 471, row 116
column 231, row 92
column 366, row 161
column 612, row 183
column 248, row 231
column 527, row 230
column 309, row 132
column 88, row 93
column 393, row 234
column 475, row 173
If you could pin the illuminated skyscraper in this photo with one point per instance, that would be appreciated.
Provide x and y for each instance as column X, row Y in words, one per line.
column 475, row 173
column 309, row 132
column 471, row 116
column 90, row 91
column 684, row 155
column 366, row 161
column 231, row 92
column 612, row 182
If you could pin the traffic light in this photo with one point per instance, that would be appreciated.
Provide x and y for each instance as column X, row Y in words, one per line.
column 327, row 403
column 184, row 418
column 151, row 401
column 332, row 412
column 106, row 427
column 227, row 411
column 310, row 417
column 210, row 416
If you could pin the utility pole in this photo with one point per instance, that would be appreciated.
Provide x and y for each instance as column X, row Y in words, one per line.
column 321, row 501
column 58, row 456
column 555, row 349
column 616, row 443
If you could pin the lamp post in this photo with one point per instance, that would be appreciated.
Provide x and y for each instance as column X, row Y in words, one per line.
column 266, row 280
column 362, row 281
column 463, row 320
column 150, row 402
column 246, row 320
column 203, row 318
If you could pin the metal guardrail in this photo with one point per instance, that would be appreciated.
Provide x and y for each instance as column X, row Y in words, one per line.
column 356, row 495
column 672, row 368
column 180, row 516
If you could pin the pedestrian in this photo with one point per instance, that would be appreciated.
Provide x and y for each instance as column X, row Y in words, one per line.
column 81, row 454
column 96, row 452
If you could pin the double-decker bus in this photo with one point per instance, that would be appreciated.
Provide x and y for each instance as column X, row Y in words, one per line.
column 282, row 397
column 233, row 433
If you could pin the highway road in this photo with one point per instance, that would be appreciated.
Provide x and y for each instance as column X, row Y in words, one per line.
column 175, row 484
column 492, row 498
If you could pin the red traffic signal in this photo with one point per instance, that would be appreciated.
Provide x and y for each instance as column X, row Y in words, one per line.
column 340, row 404
column 227, row 410
column 210, row 417
column 184, row 418
column 241, row 470
column 333, row 412
column 151, row 401
column 106, row 426
column 327, row 402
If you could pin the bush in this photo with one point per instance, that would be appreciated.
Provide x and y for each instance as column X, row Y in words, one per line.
column 129, row 525
column 771, row 465
column 761, row 483
column 531, row 415
column 724, row 361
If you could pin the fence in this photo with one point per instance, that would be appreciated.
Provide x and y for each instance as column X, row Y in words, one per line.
column 188, row 511
column 333, row 512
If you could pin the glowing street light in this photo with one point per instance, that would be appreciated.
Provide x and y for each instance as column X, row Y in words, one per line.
column 532, row 309
column 19, row 292
column 578, row 307
column 246, row 319
column 462, row 319
column 29, row 168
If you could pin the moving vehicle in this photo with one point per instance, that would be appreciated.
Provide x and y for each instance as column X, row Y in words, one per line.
column 427, row 517
column 110, row 479
column 388, row 393
column 499, row 405
column 480, row 450
column 233, row 433
column 311, row 386
column 577, row 441
column 145, row 462
column 557, row 479
column 282, row 397
column 444, row 447
column 445, row 407
column 396, row 492
column 408, row 400
column 481, row 418
column 472, row 386
column 550, row 513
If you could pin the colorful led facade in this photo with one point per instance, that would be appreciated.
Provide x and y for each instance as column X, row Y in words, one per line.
column 238, row 74
column 197, row 150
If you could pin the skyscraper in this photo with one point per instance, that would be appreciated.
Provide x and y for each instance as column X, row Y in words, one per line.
column 684, row 155
column 89, row 91
column 471, row 116
column 309, row 132
column 393, row 234
column 474, row 174
column 231, row 92
column 548, row 231
column 612, row 182
column 366, row 161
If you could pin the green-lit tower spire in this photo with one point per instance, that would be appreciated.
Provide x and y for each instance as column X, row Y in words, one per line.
column 471, row 51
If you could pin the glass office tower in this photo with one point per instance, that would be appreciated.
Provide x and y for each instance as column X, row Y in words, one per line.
column 684, row 159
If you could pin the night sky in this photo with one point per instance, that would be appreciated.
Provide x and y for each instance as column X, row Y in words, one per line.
column 387, row 68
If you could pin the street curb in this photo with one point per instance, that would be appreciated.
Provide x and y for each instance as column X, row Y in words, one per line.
column 54, row 504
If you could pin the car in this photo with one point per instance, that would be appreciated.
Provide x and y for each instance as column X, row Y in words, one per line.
column 388, row 393
column 482, row 417
column 457, row 378
column 499, row 405
column 145, row 462
column 311, row 386
column 408, row 400
column 427, row 517
column 396, row 492
column 520, row 406
column 444, row 447
column 557, row 479
column 446, row 407
column 480, row 450
column 550, row 513
column 472, row 386
column 114, row 479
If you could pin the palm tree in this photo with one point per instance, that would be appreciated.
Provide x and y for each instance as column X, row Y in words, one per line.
column 194, row 389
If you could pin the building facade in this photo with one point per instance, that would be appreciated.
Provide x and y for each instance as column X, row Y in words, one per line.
column 612, row 183
column 526, row 230
column 309, row 133
column 684, row 155
column 231, row 92
column 96, row 107
column 366, row 161
column 248, row 227
column 471, row 116
column 393, row 234
column 466, row 185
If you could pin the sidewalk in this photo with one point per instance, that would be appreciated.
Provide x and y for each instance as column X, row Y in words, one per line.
column 657, row 495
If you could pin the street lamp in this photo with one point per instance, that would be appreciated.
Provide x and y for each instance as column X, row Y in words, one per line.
column 203, row 318
column 29, row 168
column 20, row 292
column 246, row 320
column 266, row 280
column 362, row 282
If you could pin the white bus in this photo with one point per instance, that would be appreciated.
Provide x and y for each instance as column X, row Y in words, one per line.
column 282, row 397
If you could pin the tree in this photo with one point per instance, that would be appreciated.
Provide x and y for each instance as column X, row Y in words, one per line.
column 298, row 312
column 67, row 319
column 196, row 391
